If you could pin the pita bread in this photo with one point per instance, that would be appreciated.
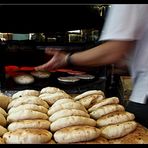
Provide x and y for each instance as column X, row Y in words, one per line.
column 76, row 134
column 88, row 101
column 3, row 121
column 51, row 142
column 88, row 93
column 40, row 74
column 2, row 141
column 118, row 130
column 68, row 105
column 33, row 107
column 39, row 124
column 71, row 121
column 52, row 98
column 24, row 79
column 106, row 110
column 49, row 90
column 2, row 130
column 2, row 111
column 107, row 101
column 25, row 93
column 27, row 136
column 114, row 118
column 27, row 100
column 26, row 115
column 4, row 101
column 62, row 101
column 66, row 113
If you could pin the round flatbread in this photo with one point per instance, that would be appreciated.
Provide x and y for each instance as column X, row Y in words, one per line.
column 27, row 100
column 33, row 107
column 4, row 101
column 66, row 113
column 75, row 134
column 41, row 74
column 50, row 90
column 52, row 98
column 2, row 130
column 71, row 121
column 39, row 124
column 88, row 93
column 3, row 112
column 26, row 115
column 85, row 77
column 68, row 79
column 24, row 79
column 25, row 93
column 62, row 101
column 68, row 105
column 3, row 121
column 27, row 136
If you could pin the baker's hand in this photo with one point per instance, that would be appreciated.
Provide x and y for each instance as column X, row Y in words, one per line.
column 58, row 60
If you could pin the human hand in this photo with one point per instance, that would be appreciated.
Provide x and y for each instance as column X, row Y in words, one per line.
column 58, row 60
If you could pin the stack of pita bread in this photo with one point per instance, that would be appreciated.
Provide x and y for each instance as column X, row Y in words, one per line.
column 52, row 94
column 71, row 123
column 27, row 119
column 112, row 118
column 4, row 101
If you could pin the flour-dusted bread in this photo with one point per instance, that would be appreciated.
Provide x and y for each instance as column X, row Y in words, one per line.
column 4, row 101
column 90, row 100
column 27, row 136
column 70, row 121
column 24, row 79
column 26, row 115
column 33, row 107
column 106, row 110
column 67, row 112
column 75, row 134
column 107, row 101
column 41, row 74
column 2, row 111
column 68, row 105
column 114, row 118
column 62, row 101
column 2, row 141
column 2, row 130
column 49, row 90
column 38, row 123
column 26, row 92
column 118, row 130
column 27, row 100
column 52, row 98
column 3, row 121
column 87, row 93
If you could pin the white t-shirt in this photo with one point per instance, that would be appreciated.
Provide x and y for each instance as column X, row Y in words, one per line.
column 130, row 22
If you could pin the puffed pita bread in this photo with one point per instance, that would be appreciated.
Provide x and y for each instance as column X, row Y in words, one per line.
column 87, row 93
column 27, row 100
column 26, row 115
column 101, row 111
column 68, row 105
column 71, row 121
column 27, row 136
column 88, row 101
column 38, row 123
column 3, row 121
column 4, row 101
column 50, row 90
column 62, row 101
column 75, row 134
column 107, row 101
column 2, row 111
column 25, row 93
column 114, row 118
column 52, row 98
column 33, row 107
column 2, row 130
column 2, row 141
column 118, row 130
column 24, row 79
column 67, row 112
column 40, row 74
